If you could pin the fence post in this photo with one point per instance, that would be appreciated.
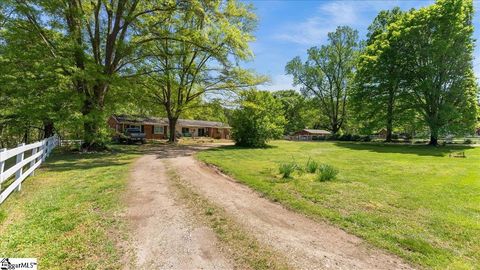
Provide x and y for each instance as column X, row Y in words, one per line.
column 2, row 167
column 19, row 173
column 44, row 148
column 32, row 163
column 50, row 145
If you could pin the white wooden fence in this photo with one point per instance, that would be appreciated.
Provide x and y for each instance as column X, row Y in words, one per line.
column 36, row 153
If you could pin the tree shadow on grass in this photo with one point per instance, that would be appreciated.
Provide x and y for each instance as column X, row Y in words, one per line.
column 420, row 150
column 116, row 155
column 236, row 147
column 62, row 162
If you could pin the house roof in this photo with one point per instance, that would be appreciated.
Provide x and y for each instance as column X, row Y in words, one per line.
column 135, row 119
column 317, row 131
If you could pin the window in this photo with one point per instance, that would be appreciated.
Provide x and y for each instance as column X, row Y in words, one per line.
column 158, row 130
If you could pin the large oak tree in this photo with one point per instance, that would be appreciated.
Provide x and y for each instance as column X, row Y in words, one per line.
column 437, row 65
column 326, row 74
column 99, row 41
column 195, row 53
column 377, row 96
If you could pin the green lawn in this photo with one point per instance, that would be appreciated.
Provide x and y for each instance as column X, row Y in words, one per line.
column 414, row 200
column 67, row 214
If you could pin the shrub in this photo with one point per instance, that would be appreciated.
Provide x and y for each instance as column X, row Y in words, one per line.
column 366, row 139
column 333, row 137
column 349, row 137
column 326, row 172
column 286, row 169
column 356, row 138
column 258, row 119
column 345, row 137
column 311, row 166
column 467, row 141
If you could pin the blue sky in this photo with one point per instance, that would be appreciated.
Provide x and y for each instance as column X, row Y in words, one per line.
column 288, row 28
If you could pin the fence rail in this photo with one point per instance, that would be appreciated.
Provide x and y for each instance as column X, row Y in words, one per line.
column 27, row 159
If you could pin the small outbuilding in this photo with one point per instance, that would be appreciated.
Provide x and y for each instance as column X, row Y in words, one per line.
column 310, row 134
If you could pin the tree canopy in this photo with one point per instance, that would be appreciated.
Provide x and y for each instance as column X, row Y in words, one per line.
column 195, row 53
column 437, row 66
column 325, row 74
column 416, row 69
column 376, row 98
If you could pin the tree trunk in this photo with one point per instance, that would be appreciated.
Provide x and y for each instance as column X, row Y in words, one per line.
column 389, row 129
column 390, row 116
column 335, row 128
column 433, row 136
column 48, row 128
column 90, row 129
column 25, row 136
column 172, row 123
column 92, row 120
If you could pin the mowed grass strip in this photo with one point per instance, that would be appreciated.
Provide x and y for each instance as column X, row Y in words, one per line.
column 413, row 200
column 67, row 214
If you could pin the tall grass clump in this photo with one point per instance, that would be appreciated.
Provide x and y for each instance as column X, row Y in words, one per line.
column 311, row 166
column 326, row 173
column 286, row 169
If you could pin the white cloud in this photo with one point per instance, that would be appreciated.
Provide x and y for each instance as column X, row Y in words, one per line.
column 279, row 82
column 314, row 30
column 329, row 15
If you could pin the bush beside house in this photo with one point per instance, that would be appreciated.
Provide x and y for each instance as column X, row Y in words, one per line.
column 257, row 120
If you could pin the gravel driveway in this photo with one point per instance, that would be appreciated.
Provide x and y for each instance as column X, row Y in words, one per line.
column 166, row 236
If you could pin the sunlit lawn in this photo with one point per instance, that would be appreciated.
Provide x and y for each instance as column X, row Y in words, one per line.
column 66, row 215
column 415, row 201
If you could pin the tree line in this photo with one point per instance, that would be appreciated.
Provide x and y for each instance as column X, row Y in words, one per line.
column 66, row 65
column 415, row 70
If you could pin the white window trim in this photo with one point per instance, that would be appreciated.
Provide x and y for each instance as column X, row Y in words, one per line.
column 157, row 126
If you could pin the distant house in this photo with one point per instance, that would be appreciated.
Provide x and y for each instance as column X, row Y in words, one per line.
column 157, row 128
column 310, row 134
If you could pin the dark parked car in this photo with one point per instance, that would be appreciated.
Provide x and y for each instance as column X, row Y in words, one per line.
column 132, row 135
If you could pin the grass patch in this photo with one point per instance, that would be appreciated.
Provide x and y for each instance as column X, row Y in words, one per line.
column 413, row 200
column 66, row 215
column 286, row 169
column 326, row 173
column 311, row 166
column 245, row 250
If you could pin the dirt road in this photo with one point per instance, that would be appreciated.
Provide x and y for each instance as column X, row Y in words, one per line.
column 164, row 234
column 166, row 237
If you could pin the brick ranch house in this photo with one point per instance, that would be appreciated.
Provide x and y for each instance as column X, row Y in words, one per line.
column 157, row 128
